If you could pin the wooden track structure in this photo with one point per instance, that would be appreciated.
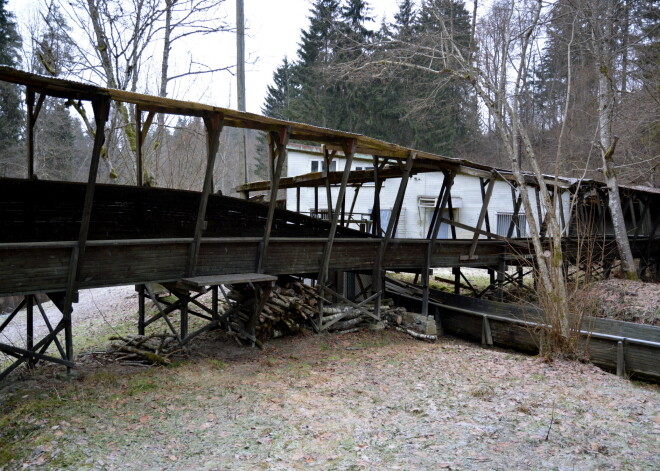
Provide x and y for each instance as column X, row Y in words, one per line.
column 60, row 237
column 626, row 348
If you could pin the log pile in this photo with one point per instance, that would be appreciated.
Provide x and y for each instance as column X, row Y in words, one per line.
column 293, row 306
column 289, row 307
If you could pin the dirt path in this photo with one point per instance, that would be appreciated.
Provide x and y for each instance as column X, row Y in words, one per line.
column 365, row 401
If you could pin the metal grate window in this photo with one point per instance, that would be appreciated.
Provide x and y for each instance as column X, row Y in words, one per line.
column 504, row 221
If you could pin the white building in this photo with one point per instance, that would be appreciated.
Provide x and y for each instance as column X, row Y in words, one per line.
column 419, row 202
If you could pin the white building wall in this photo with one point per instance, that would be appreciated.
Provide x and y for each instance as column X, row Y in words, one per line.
column 414, row 220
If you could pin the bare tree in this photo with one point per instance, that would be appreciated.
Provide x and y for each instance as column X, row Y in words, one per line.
column 600, row 17
column 119, row 50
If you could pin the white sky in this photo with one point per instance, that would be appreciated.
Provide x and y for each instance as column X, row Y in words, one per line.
column 273, row 31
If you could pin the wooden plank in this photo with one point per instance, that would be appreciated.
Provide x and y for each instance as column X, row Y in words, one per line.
column 214, row 124
column 202, row 281
column 280, row 140
column 482, row 215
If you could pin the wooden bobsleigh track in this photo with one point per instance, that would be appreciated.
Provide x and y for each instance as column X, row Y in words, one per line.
column 60, row 237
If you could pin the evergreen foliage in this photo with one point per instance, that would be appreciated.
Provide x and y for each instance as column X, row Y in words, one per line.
column 403, row 107
column 11, row 115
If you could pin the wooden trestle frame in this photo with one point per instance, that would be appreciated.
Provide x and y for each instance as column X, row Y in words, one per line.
column 389, row 161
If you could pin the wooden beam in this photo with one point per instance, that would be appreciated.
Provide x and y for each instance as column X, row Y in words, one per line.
column 101, row 108
column 482, row 215
column 280, row 141
column 327, row 159
column 214, row 124
column 142, row 129
column 327, row 251
column 376, row 283
column 515, row 223
column 437, row 210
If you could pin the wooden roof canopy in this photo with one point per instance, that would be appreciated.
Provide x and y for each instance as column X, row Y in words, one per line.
column 333, row 139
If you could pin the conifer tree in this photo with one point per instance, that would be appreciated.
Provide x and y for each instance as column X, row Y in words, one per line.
column 281, row 93
column 11, row 116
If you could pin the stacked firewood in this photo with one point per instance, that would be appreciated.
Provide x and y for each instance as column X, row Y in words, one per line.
column 289, row 307
column 293, row 306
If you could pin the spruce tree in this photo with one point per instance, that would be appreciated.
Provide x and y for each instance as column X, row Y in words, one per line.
column 60, row 145
column 280, row 93
column 11, row 116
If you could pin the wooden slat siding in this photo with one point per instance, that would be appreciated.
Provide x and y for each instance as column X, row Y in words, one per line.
column 33, row 268
column 50, row 211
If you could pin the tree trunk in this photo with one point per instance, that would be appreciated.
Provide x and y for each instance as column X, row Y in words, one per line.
column 602, row 38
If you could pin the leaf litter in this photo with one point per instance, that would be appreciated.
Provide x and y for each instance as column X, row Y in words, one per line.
column 362, row 401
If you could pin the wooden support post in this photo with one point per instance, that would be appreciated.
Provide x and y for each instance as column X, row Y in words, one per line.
column 426, row 267
column 281, row 140
column 437, row 211
column 32, row 115
column 343, row 213
column 355, row 196
column 29, row 325
column 446, row 198
column 516, row 210
column 139, row 141
column 438, row 320
column 375, row 211
column 441, row 203
column 298, row 199
column 327, row 159
column 620, row 359
column 450, row 208
column 486, row 334
column 214, row 123
column 484, row 182
column 141, row 310
column 316, row 201
column 482, row 215
column 539, row 212
column 501, row 272
column 141, row 134
column 349, row 151
column 377, row 282
column 214, row 302
column 30, row 132
column 263, row 293
column 101, row 106
column 183, row 327
column 456, row 271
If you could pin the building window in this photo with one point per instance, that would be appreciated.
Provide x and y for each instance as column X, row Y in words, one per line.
column 504, row 221
column 316, row 164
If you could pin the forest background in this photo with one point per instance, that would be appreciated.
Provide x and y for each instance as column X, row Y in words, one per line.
column 383, row 80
